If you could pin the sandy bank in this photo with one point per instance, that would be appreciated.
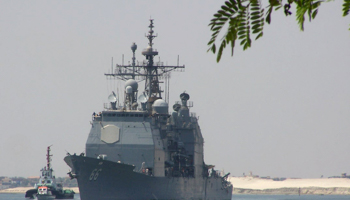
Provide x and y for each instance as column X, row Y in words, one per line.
column 24, row 189
column 260, row 184
column 249, row 185
column 295, row 191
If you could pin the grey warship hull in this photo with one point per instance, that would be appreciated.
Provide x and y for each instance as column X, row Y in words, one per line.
column 106, row 180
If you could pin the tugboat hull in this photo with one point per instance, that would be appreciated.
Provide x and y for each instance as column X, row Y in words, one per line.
column 102, row 179
column 45, row 197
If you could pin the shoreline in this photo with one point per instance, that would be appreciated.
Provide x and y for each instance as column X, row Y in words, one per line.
column 294, row 191
column 321, row 186
column 253, row 185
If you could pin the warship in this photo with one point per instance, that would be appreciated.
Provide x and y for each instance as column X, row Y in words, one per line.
column 138, row 150
column 47, row 188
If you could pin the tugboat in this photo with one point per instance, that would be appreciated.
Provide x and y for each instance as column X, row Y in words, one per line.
column 138, row 150
column 47, row 188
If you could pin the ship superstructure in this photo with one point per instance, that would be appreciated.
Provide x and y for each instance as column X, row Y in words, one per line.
column 138, row 150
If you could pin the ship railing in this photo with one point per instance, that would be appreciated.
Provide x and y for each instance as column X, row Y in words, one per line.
column 108, row 106
column 189, row 103
column 194, row 118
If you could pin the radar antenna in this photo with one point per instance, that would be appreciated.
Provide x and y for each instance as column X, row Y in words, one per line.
column 149, row 70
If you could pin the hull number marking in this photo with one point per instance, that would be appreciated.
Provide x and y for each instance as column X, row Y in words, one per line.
column 94, row 174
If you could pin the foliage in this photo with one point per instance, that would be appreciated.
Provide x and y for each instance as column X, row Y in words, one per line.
column 245, row 18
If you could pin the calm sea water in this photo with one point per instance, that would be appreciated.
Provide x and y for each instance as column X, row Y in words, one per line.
column 21, row 197
column 234, row 197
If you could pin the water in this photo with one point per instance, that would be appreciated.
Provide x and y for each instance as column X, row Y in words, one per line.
column 21, row 196
column 234, row 197
column 289, row 197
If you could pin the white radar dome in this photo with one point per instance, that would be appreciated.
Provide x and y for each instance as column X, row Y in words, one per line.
column 128, row 90
column 132, row 83
column 160, row 106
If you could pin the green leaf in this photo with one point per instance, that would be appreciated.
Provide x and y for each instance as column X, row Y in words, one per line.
column 242, row 23
column 221, row 23
column 211, row 41
column 213, row 49
column 259, row 36
column 246, row 45
column 257, row 31
column 268, row 15
column 221, row 12
column 278, row 7
column 228, row 4
column 314, row 14
column 241, row 32
column 241, row 37
column 239, row 14
column 215, row 33
column 242, row 28
column 255, row 13
column 255, row 17
column 221, row 48
column 223, row 19
column 346, row 7
column 243, row 41
column 301, row 10
column 256, row 22
column 216, row 28
column 227, row 9
column 256, row 26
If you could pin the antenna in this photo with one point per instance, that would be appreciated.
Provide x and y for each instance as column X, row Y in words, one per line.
column 123, row 59
column 112, row 65
column 48, row 157
column 178, row 59
column 148, row 70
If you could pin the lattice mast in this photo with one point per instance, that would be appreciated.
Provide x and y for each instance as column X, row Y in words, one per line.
column 148, row 70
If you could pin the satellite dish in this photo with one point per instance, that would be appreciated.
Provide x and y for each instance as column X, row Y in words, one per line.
column 112, row 97
column 142, row 98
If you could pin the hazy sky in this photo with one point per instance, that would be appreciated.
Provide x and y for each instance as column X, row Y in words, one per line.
column 281, row 108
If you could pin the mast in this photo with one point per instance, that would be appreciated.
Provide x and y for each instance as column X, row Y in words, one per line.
column 148, row 70
column 48, row 158
column 152, row 82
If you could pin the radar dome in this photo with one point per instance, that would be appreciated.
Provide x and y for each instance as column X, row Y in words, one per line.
column 133, row 47
column 132, row 83
column 160, row 106
column 128, row 90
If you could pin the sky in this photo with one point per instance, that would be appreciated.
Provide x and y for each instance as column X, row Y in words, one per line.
column 279, row 109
